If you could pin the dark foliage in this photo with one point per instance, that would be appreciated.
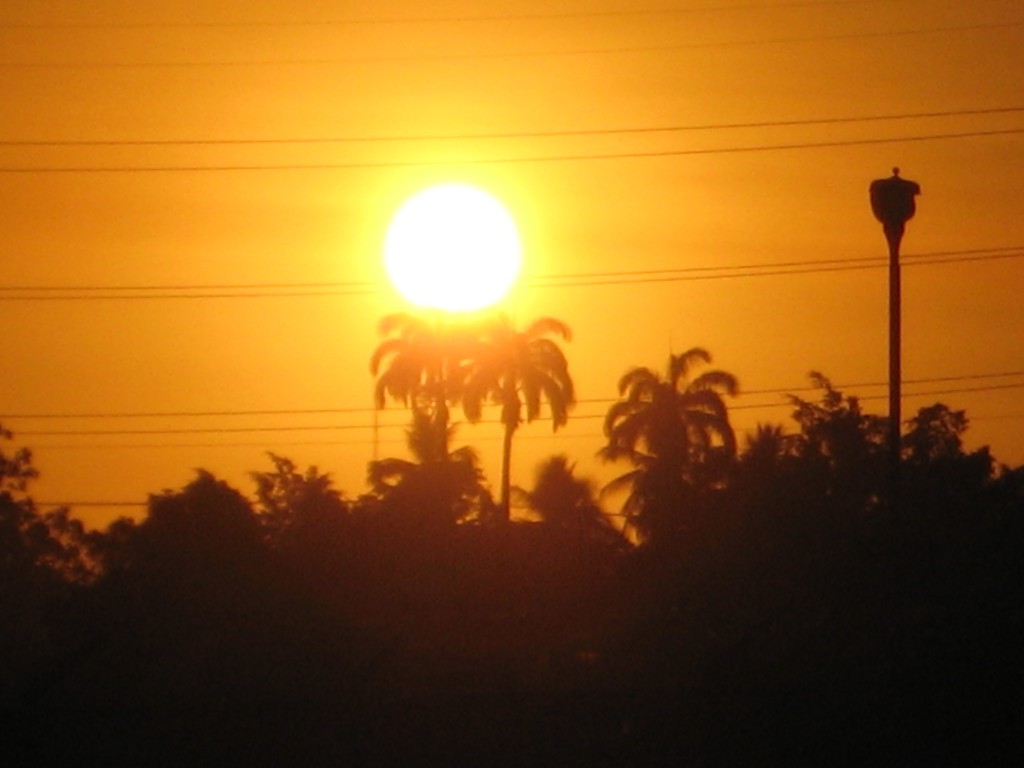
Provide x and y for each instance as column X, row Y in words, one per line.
column 794, row 618
column 675, row 432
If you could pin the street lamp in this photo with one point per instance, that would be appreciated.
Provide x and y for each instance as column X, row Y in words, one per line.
column 892, row 202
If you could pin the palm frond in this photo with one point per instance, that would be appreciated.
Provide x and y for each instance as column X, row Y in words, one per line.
column 623, row 482
column 679, row 365
column 716, row 381
column 402, row 324
column 637, row 381
column 381, row 473
column 623, row 420
column 465, row 454
column 385, row 349
column 544, row 326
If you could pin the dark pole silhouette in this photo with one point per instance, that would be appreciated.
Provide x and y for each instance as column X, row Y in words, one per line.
column 892, row 202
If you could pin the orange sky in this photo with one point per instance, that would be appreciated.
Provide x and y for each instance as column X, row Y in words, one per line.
column 189, row 78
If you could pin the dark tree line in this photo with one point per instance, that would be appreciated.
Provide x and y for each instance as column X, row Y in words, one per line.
column 767, row 599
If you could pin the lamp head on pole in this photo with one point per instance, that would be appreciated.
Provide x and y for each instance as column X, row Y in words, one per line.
column 892, row 202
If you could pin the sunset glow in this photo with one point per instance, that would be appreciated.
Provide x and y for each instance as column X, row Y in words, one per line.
column 528, row 382
column 452, row 247
column 679, row 174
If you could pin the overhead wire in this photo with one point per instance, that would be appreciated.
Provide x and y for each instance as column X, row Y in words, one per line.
column 369, row 410
column 492, row 55
column 332, row 443
column 529, row 134
column 956, row 390
column 838, row 266
column 44, row 293
column 503, row 17
column 829, row 266
column 239, row 295
column 592, row 401
column 526, row 159
column 271, row 447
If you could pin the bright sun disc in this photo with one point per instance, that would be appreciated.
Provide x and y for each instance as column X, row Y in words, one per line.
column 452, row 247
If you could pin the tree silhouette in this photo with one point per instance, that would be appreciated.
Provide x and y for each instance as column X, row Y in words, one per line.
column 207, row 525
column 36, row 544
column 421, row 365
column 935, row 434
column 518, row 369
column 768, row 467
column 769, row 446
column 195, row 622
column 569, row 503
column 40, row 559
column 676, row 433
column 438, row 487
column 201, row 638
column 941, row 478
column 305, row 522
column 841, row 446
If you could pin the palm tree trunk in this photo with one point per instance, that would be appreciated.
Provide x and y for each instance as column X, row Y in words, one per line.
column 441, row 425
column 506, row 476
column 510, row 409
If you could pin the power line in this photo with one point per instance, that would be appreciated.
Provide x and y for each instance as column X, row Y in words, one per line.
column 783, row 268
column 905, row 395
column 93, row 503
column 204, row 430
column 560, row 437
column 508, row 134
column 395, row 20
column 246, row 295
column 138, row 504
column 869, row 264
column 999, row 417
column 346, row 427
column 509, row 160
column 190, row 414
column 962, row 390
column 264, row 446
column 853, row 385
column 785, row 404
column 993, row 252
column 454, row 57
column 349, row 285
column 43, row 293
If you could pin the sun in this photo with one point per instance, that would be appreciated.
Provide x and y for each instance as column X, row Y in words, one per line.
column 453, row 247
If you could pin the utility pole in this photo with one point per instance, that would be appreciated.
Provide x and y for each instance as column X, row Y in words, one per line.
column 892, row 202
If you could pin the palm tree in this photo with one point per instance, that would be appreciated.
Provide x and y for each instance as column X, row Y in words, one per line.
column 437, row 487
column 425, row 364
column 568, row 503
column 675, row 431
column 768, row 467
column 768, row 447
column 519, row 370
